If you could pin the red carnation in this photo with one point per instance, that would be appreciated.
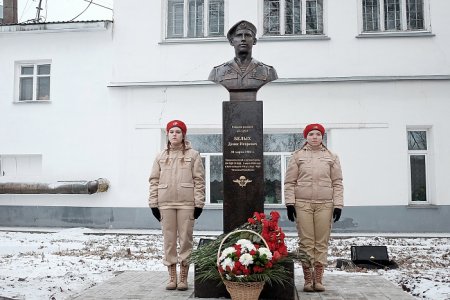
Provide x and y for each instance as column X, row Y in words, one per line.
column 275, row 215
column 276, row 255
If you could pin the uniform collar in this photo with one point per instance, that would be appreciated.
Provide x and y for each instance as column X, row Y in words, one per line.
column 308, row 147
column 251, row 66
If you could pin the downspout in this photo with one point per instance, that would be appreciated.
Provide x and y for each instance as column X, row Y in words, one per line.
column 59, row 187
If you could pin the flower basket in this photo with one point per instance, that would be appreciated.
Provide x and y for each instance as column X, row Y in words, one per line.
column 274, row 270
column 241, row 290
column 244, row 290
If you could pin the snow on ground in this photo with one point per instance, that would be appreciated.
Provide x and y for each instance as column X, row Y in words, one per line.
column 58, row 265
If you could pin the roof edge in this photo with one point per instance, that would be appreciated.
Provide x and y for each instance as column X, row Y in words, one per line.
column 62, row 26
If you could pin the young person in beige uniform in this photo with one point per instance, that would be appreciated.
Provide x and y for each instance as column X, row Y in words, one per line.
column 177, row 197
column 313, row 193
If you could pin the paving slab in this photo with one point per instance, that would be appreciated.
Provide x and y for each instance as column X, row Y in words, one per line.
column 150, row 285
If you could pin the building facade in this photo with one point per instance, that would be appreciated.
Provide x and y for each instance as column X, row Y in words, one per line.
column 91, row 99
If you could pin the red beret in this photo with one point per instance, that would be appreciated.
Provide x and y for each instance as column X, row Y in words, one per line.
column 310, row 127
column 177, row 123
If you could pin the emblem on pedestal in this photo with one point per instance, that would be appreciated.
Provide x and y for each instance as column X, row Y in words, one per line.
column 242, row 181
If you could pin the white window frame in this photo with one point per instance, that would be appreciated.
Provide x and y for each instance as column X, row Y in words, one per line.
column 186, row 21
column 35, row 76
column 284, row 162
column 428, row 163
column 303, row 20
column 207, row 167
column 403, row 19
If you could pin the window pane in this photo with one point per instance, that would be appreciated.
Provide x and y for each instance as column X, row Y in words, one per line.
column 272, row 179
column 314, row 17
column 417, row 140
column 293, row 17
column 206, row 143
column 272, row 17
column 370, row 15
column 414, row 14
column 287, row 142
column 175, row 18
column 392, row 14
column 195, row 27
column 418, row 178
column 43, row 70
column 27, row 70
column 43, row 88
column 26, row 89
column 216, row 179
column 216, row 18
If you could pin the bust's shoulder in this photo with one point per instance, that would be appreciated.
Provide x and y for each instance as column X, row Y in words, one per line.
column 225, row 64
column 218, row 71
column 262, row 67
column 261, row 64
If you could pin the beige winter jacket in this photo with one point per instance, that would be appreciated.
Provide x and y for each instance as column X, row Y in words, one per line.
column 177, row 180
column 314, row 176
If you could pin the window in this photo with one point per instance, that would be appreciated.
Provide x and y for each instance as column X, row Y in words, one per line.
column 418, row 153
column 33, row 81
column 195, row 18
column 293, row 17
column 393, row 15
column 277, row 151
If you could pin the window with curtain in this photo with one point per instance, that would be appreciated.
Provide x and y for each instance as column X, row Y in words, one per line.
column 33, row 81
column 393, row 15
column 277, row 151
column 195, row 18
column 293, row 17
column 418, row 165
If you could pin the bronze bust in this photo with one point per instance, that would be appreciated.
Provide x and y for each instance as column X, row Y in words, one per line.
column 242, row 76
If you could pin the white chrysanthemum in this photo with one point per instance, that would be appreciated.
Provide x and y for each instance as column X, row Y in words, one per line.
column 246, row 245
column 243, row 242
column 227, row 251
column 246, row 259
column 227, row 262
column 265, row 251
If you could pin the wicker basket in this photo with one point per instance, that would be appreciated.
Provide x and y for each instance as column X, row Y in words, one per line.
column 242, row 290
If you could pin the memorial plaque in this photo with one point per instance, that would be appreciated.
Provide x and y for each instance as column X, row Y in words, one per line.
column 243, row 172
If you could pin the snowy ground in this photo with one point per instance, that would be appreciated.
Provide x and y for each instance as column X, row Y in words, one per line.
column 58, row 265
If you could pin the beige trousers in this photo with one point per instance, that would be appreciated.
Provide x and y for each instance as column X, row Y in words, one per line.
column 314, row 228
column 177, row 223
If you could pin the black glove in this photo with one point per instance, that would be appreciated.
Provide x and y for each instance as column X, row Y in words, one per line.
column 337, row 214
column 291, row 213
column 197, row 212
column 156, row 213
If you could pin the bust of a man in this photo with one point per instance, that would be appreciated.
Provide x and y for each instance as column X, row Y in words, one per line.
column 243, row 76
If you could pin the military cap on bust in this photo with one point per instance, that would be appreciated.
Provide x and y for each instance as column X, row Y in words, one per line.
column 241, row 25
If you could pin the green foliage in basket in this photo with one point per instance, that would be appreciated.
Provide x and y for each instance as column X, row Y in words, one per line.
column 269, row 268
